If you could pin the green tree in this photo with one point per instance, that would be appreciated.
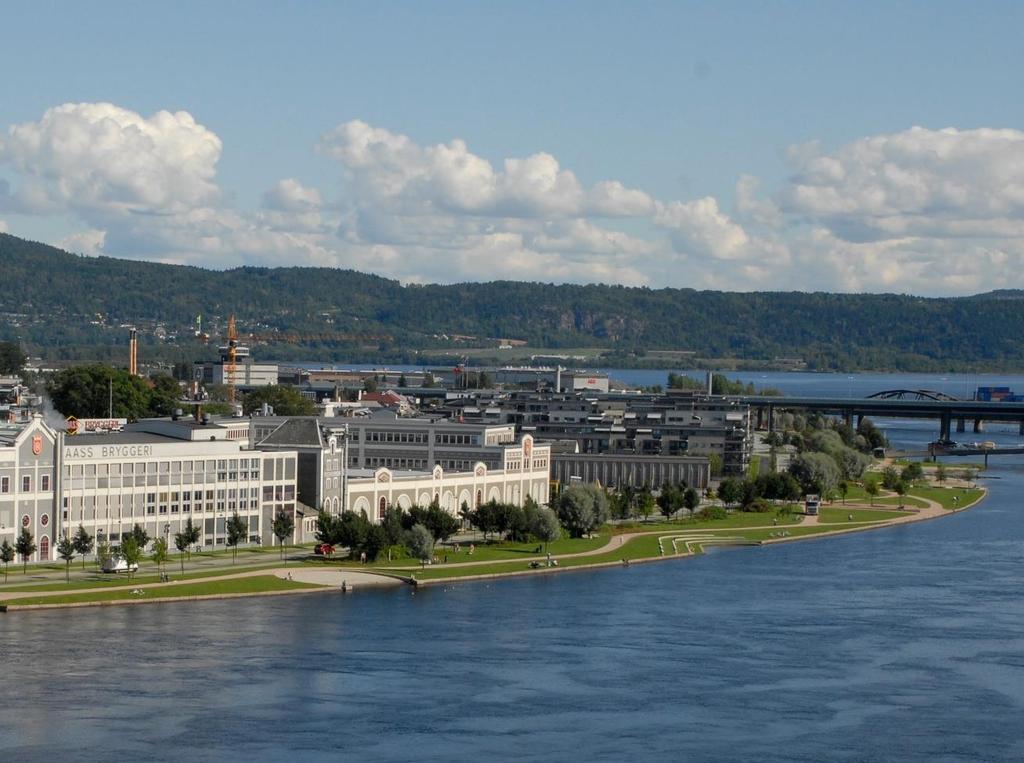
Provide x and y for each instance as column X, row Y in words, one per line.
column 912, row 472
column 25, row 545
column 645, row 503
column 670, row 501
column 66, row 551
column 6, row 555
column 844, row 489
column 969, row 476
column 871, row 488
column 98, row 390
column 83, row 543
column 192, row 533
column 283, row 527
column 12, row 359
column 901, row 490
column 160, row 555
column 715, row 464
column 103, row 553
column 544, row 526
column 419, row 542
column 730, row 491
column 582, row 509
column 402, row 381
column 286, row 401
column 181, row 543
column 236, row 532
column 140, row 535
column 691, row 499
column 940, row 473
column 131, row 552
column 165, row 395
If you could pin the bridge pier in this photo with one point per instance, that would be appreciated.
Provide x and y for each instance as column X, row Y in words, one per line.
column 848, row 418
column 979, row 426
column 944, row 426
column 1021, row 431
column 771, row 418
column 960, row 427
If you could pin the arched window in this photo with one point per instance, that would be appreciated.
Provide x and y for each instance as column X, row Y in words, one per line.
column 479, row 498
column 382, row 506
column 44, row 548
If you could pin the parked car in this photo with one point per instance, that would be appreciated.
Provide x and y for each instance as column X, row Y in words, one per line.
column 117, row 564
column 323, row 549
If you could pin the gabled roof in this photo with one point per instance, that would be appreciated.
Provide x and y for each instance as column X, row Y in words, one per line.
column 296, row 433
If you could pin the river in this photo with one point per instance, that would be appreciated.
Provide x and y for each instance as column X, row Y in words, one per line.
column 904, row 644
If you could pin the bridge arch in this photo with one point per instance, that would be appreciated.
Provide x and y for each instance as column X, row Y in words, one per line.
column 912, row 394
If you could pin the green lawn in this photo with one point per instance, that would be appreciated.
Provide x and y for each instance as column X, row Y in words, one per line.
column 895, row 500
column 834, row 514
column 257, row 584
column 945, row 496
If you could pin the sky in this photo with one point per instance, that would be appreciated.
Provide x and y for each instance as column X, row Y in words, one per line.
column 812, row 146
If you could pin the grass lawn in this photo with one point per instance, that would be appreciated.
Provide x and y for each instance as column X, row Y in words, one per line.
column 838, row 515
column 257, row 584
column 945, row 495
column 894, row 500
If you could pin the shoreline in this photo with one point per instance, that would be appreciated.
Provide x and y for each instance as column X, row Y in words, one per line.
column 396, row 577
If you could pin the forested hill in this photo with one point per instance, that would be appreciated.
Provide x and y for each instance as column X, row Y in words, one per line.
column 63, row 305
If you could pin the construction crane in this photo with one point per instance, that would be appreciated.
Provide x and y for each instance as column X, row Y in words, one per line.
column 232, row 367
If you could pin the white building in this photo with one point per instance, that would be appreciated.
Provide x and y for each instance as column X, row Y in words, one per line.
column 158, row 474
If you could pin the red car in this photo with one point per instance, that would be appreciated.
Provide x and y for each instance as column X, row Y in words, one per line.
column 323, row 549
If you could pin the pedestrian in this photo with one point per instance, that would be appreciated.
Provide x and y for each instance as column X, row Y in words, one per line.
column 362, row 558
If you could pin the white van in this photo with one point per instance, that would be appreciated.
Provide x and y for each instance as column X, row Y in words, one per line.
column 117, row 563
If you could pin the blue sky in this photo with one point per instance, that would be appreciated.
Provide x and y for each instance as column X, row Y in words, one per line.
column 751, row 145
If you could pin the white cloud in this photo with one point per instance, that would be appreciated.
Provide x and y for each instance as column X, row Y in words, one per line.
column 3, row 227
column 290, row 195
column 700, row 229
column 920, row 182
column 97, row 157
column 88, row 242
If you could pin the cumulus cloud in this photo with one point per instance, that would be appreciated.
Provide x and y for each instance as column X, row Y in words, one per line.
column 290, row 195
column 100, row 157
column 88, row 242
column 920, row 182
column 700, row 228
column 387, row 166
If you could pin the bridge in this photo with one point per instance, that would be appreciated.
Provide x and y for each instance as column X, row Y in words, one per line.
column 900, row 404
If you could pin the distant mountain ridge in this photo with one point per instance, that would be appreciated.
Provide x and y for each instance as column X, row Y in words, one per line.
column 63, row 305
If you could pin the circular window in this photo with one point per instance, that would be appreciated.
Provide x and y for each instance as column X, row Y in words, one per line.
column 44, row 520
column 26, row 521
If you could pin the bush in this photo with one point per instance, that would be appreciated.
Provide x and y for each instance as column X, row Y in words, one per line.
column 713, row 512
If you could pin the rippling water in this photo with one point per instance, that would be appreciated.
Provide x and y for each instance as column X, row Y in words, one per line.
column 901, row 644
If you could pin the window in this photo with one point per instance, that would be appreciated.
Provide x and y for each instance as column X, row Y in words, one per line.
column 26, row 484
column 44, row 483
column 5, row 484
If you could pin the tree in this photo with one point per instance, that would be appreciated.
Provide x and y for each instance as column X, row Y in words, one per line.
column 816, row 472
column 98, row 390
column 871, row 488
column 691, row 499
column 901, row 490
column 969, row 476
column 83, row 543
column 645, row 503
column 402, row 381
column 66, row 551
column 419, row 542
column 730, row 491
column 181, row 542
column 544, row 526
column 103, row 553
column 192, row 533
column 131, row 552
column 160, row 555
column 715, row 464
column 890, row 476
column 25, row 545
column 670, row 501
column 940, row 473
column 140, row 535
column 844, row 489
column 6, row 555
column 236, row 531
column 286, row 401
column 582, row 509
column 283, row 527
column 912, row 472
column 165, row 395
column 12, row 359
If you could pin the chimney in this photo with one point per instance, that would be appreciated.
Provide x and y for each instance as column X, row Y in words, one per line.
column 133, row 352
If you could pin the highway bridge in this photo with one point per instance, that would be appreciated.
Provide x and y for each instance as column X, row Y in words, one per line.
column 900, row 404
